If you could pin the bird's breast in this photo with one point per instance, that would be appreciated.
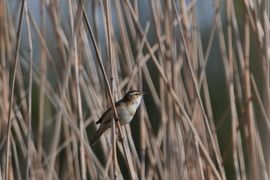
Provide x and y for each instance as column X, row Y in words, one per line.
column 126, row 111
column 126, row 114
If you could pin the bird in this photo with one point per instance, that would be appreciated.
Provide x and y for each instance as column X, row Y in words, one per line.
column 126, row 109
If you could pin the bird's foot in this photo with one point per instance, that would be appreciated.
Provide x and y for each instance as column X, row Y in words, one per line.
column 120, row 138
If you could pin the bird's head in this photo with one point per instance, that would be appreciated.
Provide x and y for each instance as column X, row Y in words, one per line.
column 133, row 95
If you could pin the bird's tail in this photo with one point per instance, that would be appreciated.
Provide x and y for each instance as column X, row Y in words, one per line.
column 99, row 132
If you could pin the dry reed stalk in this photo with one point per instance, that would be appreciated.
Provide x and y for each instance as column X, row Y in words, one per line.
column 111, row 58
column 29, row 134
column 7, row 171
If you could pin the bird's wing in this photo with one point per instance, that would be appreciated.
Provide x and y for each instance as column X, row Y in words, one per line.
column 106, row 112
column 103, row 115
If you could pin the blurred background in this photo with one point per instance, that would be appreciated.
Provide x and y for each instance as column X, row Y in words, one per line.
column 204, row 66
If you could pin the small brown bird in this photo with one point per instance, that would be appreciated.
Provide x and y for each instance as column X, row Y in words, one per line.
column 126, row 108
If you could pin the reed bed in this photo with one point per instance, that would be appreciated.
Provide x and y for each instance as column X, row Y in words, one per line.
column 206, row 114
